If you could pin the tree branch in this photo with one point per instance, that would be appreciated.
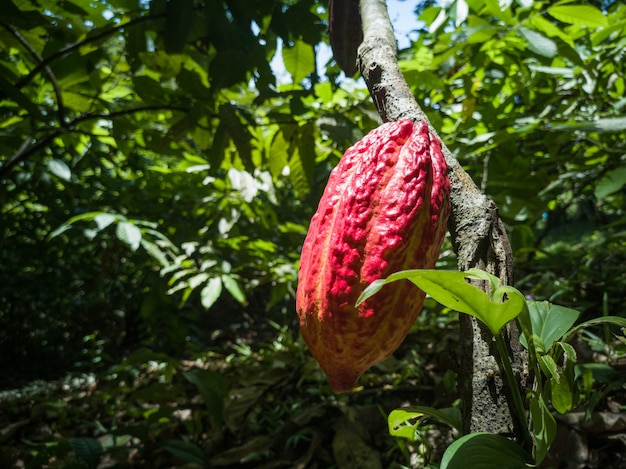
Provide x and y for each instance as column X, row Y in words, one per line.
column 55, row 85
column 477, row 232
column 72, row 47
column 32, row 145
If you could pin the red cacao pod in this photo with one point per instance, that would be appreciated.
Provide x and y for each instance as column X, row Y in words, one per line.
column 384, row 209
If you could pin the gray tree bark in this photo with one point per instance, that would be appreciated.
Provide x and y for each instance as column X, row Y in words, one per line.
column 477, row 233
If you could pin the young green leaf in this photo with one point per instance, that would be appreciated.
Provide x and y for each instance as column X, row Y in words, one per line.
column 401, row 420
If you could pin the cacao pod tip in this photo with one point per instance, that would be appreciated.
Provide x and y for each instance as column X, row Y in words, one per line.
column 342, row 380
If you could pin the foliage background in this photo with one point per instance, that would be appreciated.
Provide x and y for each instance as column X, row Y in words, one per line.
column 156, row 185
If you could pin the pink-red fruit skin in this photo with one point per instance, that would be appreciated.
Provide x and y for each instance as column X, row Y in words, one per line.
column 384, row 209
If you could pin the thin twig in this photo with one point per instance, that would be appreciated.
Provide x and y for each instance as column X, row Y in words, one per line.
column 88, row 40
column 55, row 84
column 28, row 148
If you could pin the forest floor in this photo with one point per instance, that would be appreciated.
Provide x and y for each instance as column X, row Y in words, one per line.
column 264, row 403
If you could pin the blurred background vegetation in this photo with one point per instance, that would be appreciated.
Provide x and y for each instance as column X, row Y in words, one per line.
column 159, row 163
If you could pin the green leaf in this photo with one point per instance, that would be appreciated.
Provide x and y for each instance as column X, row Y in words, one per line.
column 218, row 147
column 602, row 34
column 401, row 425
column 87, row 449
column 562, row 394
column 538, row 43
column 278, row 154
column 148, row 89
column 485, row 451
column 77, row 102
column 544, row 427
column 611, row 182
column 184, row 450
column 60, row 230
column 569, row 355
column 549, row 321
column 155, row 251
column 549, row 368
column 451, row 289
column 549, row 28
column 563, row 71
column 478, row 274
column 299, row 60
column 562, row 391
column 212, row 386
column 179, row 16
column 239, row 133
column 211, row 292
column 233, row 288
column 168, row 66
column 302, row 161
column 60, row 169
column 582, row 15
column 603, row 125
column 103, row 220
column 128, row 234
column 610, row 320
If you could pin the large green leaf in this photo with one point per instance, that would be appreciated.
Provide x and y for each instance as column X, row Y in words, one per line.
column 453, row 290
column 538, row 43
column 549, row 322
column 611, row 182
column 213, row 387
column 88, row 449
column 299, row 60
column 601, row 125
column 585, row 15
column 184, row 450
column 179, row 17
column 302, row 161
column 485, row 451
